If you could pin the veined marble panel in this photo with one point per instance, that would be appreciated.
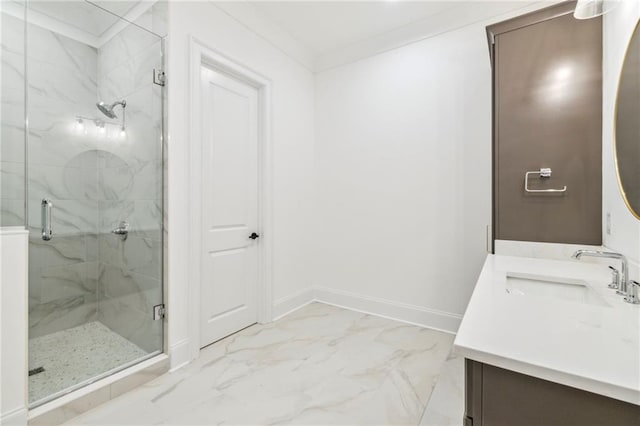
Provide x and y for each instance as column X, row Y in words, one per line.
column 144, row 217
column 61, row 51
column 127, row 44
column 135, row 254
column 12, row 33
column 141, row 181
column 134, row 325
column 132, row 74
column 63, row 183
column 12, row 71
column 62, row 282
column 11, row 212
column 12, row 186
column 59, row 251
column 11, row 180
column 141, row 291
column 12, row 143
column 59, row 82
column 13, row 108
column 318, row 365
column 61, row 314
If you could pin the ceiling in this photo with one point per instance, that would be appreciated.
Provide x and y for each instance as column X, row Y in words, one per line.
column 322, row 26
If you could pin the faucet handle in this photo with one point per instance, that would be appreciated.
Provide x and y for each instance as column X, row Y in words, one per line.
column 632, row 292
column 615, row 278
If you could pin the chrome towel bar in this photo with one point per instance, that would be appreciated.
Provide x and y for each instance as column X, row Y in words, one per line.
column 544, row 173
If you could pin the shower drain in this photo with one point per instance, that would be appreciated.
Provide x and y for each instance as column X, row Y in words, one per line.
column 36, row 371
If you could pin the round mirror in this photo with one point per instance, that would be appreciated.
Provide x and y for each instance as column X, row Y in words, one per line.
column 627, row 130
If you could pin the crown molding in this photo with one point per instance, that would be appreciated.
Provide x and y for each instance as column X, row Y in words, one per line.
column 250, row 18
column 449, row 20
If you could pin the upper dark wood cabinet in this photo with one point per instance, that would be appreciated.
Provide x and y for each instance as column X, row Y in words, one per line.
column 547, row 70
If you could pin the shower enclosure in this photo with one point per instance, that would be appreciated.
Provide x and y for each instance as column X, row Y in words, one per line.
column 82, row 168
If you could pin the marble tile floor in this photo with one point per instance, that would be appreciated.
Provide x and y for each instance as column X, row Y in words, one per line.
column 72, row 356
column 446, row 406
column 318, row 365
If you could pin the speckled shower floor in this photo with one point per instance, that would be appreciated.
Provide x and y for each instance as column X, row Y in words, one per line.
column 72, row 356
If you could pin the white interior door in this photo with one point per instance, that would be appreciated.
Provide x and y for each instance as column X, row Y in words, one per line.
column 229, row 284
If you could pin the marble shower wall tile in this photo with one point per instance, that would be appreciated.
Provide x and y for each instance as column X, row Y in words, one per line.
column 11, row 212
column 60, row 251
column 140, row 181
column 61, row 314
column 62, row 282
column 135, row 254
column 63, row 52
column 11, row 33
column 11, row 142
column 139, row 291
column 63, row 183
column 144, row 217
column 132, row 324
column 128, row 43
column 62, row 167
column 130, row 75
column 12, row 138
column 11, row 180
column 12, row 71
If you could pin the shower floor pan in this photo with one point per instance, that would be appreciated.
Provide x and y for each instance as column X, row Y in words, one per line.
column 71, row 357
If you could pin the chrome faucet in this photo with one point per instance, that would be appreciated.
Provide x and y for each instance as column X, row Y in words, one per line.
column 629, row 292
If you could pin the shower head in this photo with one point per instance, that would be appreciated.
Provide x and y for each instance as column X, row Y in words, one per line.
column 108, row 109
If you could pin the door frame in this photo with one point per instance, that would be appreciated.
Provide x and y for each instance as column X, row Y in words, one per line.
column 203, row 55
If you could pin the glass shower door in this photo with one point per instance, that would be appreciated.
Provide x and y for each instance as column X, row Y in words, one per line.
column 94, row 192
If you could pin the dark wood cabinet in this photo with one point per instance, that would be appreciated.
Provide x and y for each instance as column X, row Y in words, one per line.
column 498, row 397
column 547, row 81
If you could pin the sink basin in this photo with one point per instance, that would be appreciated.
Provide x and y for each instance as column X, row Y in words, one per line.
column 559, row 288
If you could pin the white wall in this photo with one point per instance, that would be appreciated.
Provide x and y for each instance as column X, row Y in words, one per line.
column 13, row 326
column 292, row 139
column 625, row 228
column 403, row 172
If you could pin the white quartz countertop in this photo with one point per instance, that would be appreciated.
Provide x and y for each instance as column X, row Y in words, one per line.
column 594, row 346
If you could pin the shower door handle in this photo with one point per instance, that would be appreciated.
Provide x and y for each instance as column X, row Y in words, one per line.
column 45, row 216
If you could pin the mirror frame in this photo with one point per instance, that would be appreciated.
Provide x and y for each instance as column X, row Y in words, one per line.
column 634, row 33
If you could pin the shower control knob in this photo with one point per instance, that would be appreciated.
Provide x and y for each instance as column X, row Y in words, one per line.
column 122, row 230
column 253, row 236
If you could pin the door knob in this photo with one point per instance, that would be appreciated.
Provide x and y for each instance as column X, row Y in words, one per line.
column 253, row 236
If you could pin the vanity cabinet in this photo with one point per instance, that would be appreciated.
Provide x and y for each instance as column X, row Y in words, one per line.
column 495, row 396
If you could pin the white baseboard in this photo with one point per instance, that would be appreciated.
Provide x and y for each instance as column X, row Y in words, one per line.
column 416, row 315
column 288, row 304
column 179, row 355
column 16, row 417
column 412, row 314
